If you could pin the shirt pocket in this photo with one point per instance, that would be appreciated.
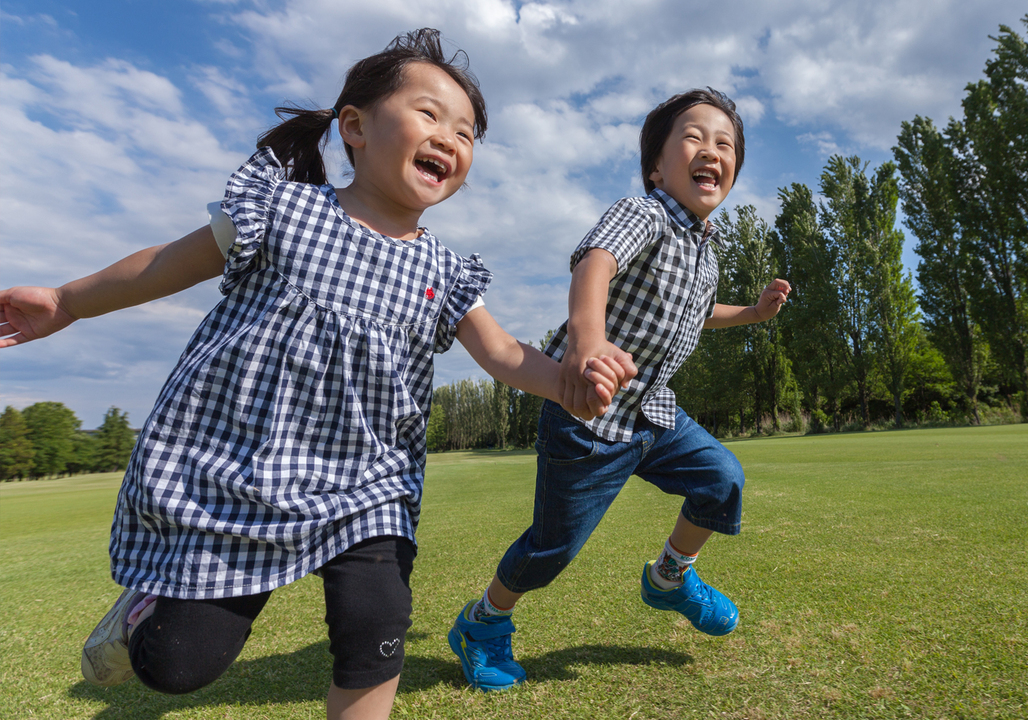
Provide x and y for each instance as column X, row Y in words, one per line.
column 672, row 275
column 706, row 279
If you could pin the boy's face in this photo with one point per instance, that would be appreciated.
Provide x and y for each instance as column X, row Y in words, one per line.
column 697, row 163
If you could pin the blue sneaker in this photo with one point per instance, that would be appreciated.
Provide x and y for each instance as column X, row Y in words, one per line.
column 483, row 647
column 707, row 609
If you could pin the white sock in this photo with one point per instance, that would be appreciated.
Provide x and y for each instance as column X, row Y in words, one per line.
column 667, row 572
column 485, row 608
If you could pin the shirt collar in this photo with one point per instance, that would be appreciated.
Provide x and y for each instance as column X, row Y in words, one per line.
column 686, row 219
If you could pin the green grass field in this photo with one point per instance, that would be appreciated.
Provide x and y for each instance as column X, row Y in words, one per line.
column 878, row 575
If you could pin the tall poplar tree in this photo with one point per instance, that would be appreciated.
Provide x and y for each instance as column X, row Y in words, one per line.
column 967, row 191
column 991, row 149
column 944, row 274
column 811, row 325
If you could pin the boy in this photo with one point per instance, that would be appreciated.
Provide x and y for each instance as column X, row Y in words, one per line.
column 644, row 280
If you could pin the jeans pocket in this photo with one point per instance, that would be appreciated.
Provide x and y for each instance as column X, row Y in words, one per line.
column 563, row 441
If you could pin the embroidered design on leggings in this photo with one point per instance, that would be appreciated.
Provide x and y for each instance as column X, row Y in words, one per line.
column 390, row 646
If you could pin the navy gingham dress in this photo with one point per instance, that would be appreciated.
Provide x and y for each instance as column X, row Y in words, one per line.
column 294, row 423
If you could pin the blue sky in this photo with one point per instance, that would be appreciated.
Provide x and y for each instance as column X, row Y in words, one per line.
column 120, row 120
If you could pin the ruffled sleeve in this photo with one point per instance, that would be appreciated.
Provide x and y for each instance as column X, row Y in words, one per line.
column 248, row 203
column 471, row 283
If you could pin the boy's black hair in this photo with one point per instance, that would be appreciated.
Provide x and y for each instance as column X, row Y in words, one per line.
column 298, row 141
column 661, row 120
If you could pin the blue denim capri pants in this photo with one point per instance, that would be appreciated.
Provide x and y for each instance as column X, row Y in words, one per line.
column 580, row 474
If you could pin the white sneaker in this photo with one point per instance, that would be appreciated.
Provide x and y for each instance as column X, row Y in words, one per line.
column 105, row 656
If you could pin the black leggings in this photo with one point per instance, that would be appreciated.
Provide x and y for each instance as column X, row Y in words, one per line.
column 187, row 644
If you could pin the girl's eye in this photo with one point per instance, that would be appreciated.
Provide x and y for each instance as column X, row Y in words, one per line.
column 429, row 113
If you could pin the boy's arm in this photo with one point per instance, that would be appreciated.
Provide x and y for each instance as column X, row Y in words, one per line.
column 770, row 302
column 587, row 324
column 30, row 313
column 523, row 367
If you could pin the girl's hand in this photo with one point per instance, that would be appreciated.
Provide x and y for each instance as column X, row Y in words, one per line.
column 607, row 375
column 772, row 299
column 30, row 313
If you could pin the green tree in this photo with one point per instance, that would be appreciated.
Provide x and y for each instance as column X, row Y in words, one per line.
column 115, row 440
column 753, row 264
column 929, row 380
column 16, row 451
column 991, row 150
column 879, row 317
column 435, row 433
column 811, row 324
column 896, row 324
column 84, row 452
column 501, row 412
column 51, row 429
column 928, row 170
column 845, row 185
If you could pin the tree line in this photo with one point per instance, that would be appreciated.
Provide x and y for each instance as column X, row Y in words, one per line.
column 857, row 346
column 46, row 440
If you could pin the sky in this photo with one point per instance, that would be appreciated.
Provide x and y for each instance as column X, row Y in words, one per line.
column 121, row 120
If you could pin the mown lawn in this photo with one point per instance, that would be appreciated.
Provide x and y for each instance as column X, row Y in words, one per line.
column 878, row 575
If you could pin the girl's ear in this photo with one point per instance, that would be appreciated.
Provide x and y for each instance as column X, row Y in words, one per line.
column 351, row 126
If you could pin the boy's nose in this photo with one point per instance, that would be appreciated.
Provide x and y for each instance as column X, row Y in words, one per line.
column 709, row 152
column 445, row 141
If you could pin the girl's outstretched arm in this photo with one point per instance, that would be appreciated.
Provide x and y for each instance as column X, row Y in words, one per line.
column 30, row 313
column 523, row 367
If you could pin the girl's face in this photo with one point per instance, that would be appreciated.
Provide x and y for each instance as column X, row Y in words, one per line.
column 415, row 146
column 697, row 163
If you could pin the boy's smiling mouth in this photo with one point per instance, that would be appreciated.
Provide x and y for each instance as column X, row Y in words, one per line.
column 434, row 169
column 706, row 179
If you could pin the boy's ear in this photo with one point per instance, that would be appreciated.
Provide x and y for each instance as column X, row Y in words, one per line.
column 657, row 177
column 351, row 126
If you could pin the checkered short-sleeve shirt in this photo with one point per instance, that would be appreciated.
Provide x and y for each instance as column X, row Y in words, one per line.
column 664, row 289
column 293, row 425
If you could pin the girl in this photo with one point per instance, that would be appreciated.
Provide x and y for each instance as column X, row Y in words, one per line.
column 290, row 437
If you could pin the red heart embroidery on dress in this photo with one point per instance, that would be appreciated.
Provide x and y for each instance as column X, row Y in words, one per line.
column 430, row 293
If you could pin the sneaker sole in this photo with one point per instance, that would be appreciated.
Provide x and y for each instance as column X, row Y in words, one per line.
column 104, row 663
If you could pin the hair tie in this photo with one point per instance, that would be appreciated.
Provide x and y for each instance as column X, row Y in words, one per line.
column 335, row 114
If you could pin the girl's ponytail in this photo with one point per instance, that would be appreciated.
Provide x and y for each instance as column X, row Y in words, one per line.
column 298, row 142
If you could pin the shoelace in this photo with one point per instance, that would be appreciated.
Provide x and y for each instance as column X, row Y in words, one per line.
column 498, row 648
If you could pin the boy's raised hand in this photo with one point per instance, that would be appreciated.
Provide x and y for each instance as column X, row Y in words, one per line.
column 30, row 313
column 772, row 298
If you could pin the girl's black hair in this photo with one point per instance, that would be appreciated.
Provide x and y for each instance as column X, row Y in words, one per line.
column 661, row 121
column 298, row 142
